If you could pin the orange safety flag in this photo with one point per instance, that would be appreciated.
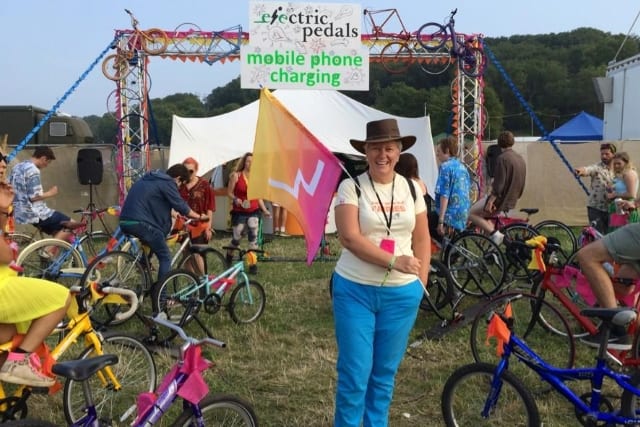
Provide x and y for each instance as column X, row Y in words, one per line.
column 292, row 168
column 499, row 330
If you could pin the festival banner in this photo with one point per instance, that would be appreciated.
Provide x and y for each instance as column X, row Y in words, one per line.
column 292, row 168
column 304, row 46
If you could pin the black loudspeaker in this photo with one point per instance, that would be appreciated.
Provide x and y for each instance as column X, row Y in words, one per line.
column 89, row 166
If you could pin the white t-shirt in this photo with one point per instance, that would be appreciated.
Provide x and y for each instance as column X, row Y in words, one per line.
column 372, row 226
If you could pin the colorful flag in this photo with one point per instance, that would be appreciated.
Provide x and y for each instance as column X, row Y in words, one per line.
column 499, row 330
column 292, row 168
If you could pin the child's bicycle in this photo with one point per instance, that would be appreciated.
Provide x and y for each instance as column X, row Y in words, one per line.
column 482, row 394
column 199, row 407
column 114, row 388
column 181, row 294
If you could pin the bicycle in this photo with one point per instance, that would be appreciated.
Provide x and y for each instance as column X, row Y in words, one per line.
column 204, row 409
column 181, row 294
column 396, row 56
column 115, row 388
column 506, row 401
column 153, row 41
column 476, row 264
column 435, row 37
column 131, row 267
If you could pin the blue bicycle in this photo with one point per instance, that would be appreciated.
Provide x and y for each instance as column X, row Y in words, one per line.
column 482, row 394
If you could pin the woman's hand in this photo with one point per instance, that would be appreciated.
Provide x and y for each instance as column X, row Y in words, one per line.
column 407, row 264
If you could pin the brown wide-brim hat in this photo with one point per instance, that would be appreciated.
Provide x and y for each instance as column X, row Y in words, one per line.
column 384, row 130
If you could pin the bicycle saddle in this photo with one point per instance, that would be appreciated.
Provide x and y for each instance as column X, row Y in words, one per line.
column 530, row 211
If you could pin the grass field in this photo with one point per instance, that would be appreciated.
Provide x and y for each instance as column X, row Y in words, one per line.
column 285, row 362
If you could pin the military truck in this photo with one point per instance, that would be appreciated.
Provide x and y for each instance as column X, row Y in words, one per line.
column 17, row 121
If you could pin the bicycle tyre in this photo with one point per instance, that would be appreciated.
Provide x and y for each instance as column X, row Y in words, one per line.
column 221, row 410
column 629, row 401
column 476, row 264
column 171, row 298
column 396, row 57
column 94, row 242
column 432, row 36
column 215, row 262
column 50, row 268
column 247, row 301
column 118, row 269
column 527, row 310
column 28, row 422
column 188, row 38
column 436, row 62
column 564, row 234
column 115, row 67
column 464, row 394
column 154, row 41
column 135, row 370
column 472, row 62
column 442, row 292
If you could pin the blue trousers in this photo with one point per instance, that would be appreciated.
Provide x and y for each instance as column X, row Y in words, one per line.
column 372, row 325
column 156, row 240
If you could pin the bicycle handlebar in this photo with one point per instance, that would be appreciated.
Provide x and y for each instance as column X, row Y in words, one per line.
column 185, row 337
column 132, row 299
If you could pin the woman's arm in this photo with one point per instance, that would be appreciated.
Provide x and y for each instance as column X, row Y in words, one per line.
column 421, row 242
column 233, row 180
column 630, row 179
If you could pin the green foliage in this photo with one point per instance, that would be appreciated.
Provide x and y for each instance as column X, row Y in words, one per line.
column 553, row 72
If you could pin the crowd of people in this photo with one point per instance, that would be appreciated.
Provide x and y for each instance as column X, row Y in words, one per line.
column 386, row 219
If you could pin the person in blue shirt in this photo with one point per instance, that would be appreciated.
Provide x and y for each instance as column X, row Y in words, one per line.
column 146, row 212
column 452, row 190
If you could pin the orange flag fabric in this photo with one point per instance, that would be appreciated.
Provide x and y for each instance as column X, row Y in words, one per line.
column 499, row 330
column 292, row 168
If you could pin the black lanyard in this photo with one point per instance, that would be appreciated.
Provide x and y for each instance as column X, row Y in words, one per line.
column 390, row 218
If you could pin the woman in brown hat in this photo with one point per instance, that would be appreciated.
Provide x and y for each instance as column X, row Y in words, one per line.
column 377, row 281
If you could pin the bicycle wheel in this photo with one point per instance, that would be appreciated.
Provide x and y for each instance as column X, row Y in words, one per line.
column 560, row 231
column 93, row 242
column 472, row 62
column 629, row 401
column 220, row 410
column 396, row 57
column 154, row 41
column 442, row 298
column 49, row 258
column 476, row 264
column 436, row 62
column 135, row 370
column 115, row 67
column 527, row 310
column 432, row 36
column 467, row 390
column 247, row 301
column 120, row 270
column 178, row 291
column 216, row 262
column 188, row 38
column 517, row 269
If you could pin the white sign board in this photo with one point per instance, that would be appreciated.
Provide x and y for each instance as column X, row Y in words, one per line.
column 304, row 46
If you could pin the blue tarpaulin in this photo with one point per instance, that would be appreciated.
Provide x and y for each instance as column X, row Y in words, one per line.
column 583, row 127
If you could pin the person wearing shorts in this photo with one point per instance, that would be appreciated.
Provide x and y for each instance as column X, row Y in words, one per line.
column 622, row 247
column 29, row 203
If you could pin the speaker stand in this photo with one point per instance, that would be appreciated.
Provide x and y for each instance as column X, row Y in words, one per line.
column 91, row 207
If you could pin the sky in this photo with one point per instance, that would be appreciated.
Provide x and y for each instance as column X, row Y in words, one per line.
column 48, row 45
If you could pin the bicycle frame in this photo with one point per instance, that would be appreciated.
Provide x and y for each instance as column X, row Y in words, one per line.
column 557, row 377
column 378, row 30
column 219, row 284
column 79, row 325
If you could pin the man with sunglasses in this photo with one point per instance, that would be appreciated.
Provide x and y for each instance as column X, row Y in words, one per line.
column 146, row 212
column 29, row 204
column 601, row 174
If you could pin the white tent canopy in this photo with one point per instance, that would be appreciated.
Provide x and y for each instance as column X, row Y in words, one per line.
column 329, row 115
